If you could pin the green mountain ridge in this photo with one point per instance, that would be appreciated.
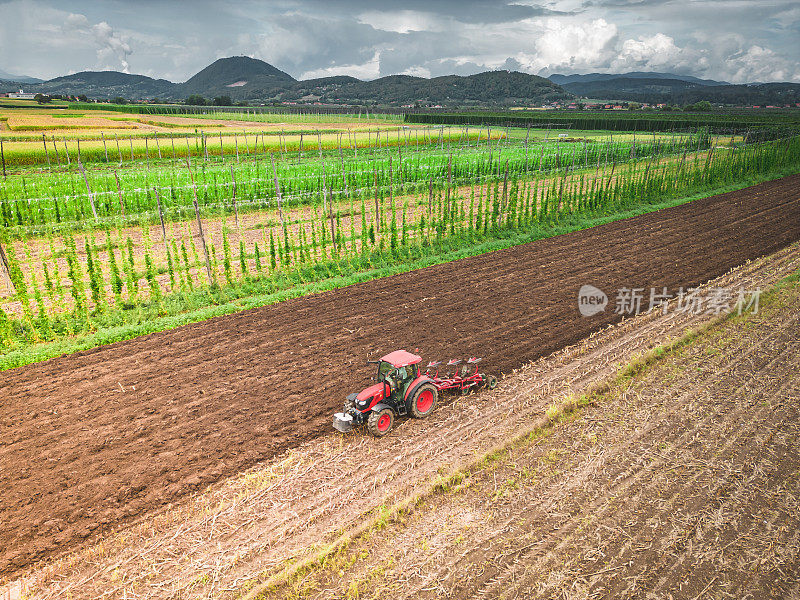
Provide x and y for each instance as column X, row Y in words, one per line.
column 104, row 84
column 592, row 77
column 221, row 77
column 9, row 78
column 681, row 92
column 247, row 79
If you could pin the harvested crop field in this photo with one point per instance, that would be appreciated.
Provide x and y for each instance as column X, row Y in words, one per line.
column 94, row 438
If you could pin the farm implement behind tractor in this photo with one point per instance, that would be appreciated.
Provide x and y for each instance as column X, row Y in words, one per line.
column 403, row 388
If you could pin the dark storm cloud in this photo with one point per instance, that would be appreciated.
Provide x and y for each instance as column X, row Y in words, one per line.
column 317, row 40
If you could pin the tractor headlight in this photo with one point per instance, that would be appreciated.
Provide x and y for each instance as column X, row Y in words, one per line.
column 365, row 402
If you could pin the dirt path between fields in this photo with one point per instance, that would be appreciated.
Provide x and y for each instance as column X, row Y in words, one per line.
column 96, row 438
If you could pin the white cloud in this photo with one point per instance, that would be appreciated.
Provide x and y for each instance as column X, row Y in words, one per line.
column 417, row 71
column 760, row 64
column 401, row 21
column 368, row 70
column 648, row 53
column 298, row 42
column 112, row 48
column 74, row 21
column 569, row 45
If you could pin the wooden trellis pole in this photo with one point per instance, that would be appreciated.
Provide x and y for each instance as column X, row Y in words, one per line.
column 119, row 152
column 505, row 191
column 161, row 217
column 119, row 191
column 277, row 186
column 235, row 209
column 377, row 210
column 400, row 159
column 200, row 227
column 46, row 153
column 449, row 177
column 527, row 135
column 330, row 205
column 6, row 270
column 88, row 189
column 341, row 160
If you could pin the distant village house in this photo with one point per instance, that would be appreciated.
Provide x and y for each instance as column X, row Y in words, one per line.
column 20, row 95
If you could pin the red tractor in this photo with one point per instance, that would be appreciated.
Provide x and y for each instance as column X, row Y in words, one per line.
column 403, row 389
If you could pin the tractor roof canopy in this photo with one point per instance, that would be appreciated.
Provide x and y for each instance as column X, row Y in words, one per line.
column 401, row 358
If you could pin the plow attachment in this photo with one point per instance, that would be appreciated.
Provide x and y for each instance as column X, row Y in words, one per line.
column 458, row 376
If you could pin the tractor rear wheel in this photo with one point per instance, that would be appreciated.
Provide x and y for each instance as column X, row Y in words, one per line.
column 423, row 400
column 381, row 422
column 491, row 382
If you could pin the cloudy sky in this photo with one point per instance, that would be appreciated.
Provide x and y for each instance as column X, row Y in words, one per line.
column 732, row 40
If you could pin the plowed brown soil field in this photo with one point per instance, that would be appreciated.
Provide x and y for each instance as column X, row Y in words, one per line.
column 94, row 438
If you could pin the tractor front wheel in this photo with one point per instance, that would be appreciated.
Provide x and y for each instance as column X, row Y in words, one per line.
column 380, row 423
column 423, row 400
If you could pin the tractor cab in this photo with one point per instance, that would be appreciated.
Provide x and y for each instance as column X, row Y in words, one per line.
column 400, row 389
column 397, row 371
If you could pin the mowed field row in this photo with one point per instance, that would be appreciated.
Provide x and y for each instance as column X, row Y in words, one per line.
column 99, row 437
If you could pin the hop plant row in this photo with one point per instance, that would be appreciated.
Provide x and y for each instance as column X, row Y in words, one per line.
column 65, row 284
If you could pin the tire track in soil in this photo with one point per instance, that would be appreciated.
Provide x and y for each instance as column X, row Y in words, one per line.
column 80, row 454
